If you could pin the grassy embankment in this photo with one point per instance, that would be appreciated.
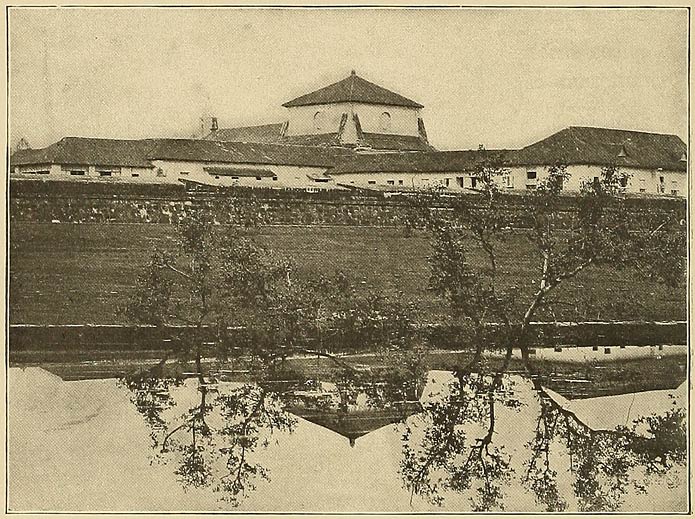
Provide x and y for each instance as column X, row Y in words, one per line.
column 81, row 273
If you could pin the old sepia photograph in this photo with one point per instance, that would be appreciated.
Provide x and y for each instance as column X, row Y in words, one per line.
column 347, row 260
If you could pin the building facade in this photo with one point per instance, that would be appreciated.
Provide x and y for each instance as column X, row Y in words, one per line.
column 175, row 160
column 356, row 134
column 655, row 164
column 353, row 113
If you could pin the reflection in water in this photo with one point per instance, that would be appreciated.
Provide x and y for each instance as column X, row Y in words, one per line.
column 211, row 441
column 103, row 443
column 454, row 450
column 444, row 455
column 481, row 437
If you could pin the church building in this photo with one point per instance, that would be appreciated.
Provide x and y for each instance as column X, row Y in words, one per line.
column 354, row 134
column 353, row 113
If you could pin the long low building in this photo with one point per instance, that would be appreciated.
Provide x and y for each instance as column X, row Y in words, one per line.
column 356, row 134
column 656, row 163
column 173, row 160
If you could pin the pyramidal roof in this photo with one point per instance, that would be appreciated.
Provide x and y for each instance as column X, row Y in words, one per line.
column 353, row 89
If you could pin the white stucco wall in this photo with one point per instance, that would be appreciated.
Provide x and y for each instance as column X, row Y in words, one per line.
column 640, row 181
column 405, row 179
column 34, row 170
column 63, row 172
column 403, row 120
column 287, row 176
column 646, row 181
column 169, row 172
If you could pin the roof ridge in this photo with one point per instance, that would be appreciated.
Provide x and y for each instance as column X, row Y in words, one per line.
column 100, row 139
column 353, row 88
column 620, row 130
column 279, row 144
column 250, row 126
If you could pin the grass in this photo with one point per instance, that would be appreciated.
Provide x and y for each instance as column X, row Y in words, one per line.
column 81, row 273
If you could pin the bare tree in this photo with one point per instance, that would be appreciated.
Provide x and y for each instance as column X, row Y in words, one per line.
column 492, row 312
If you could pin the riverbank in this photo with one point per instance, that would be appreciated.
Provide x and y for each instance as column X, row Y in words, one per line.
column 572, row 372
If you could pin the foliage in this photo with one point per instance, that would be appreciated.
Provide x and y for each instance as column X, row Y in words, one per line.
column 602, row 235
column 450, row 448
column 217, row 279
column 445, row 458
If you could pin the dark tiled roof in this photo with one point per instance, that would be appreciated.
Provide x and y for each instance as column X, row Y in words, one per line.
column 602, row 146
column 353, row 89
column 376, row 141
column 382, row 141
column 239, row 172
column 262, row 133
column 83, row 151
column 140, row 153
column 22, row 157
column 246, row 153
column 431, row 162
column 319, row 139
column 354, row 424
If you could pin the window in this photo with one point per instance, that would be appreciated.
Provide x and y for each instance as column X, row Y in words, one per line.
column 400, row 182
column 77, row 172
column 259, row 178
column 135, row 175
column 160, row 172
column 623, row 181
column 459, row 181
column 371, row 181
column 508, row 181
column 446, row 182
column 474, row 182
column 385, row 121
column 275, row 178
column 40, row 172
column 319, row 120
column 390, row 182
column 531, row 179
column 233, row 178
column 104, row 173
column 674, row 191
column 185, row 173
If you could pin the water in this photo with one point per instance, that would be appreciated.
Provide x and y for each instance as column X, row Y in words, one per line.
column 83, row 446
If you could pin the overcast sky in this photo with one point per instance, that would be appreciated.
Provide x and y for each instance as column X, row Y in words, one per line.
column 500, row 77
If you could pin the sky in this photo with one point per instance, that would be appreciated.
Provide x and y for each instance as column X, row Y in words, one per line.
column 499, row 77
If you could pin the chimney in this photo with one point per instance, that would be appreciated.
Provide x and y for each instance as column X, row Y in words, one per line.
column 213, row 126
